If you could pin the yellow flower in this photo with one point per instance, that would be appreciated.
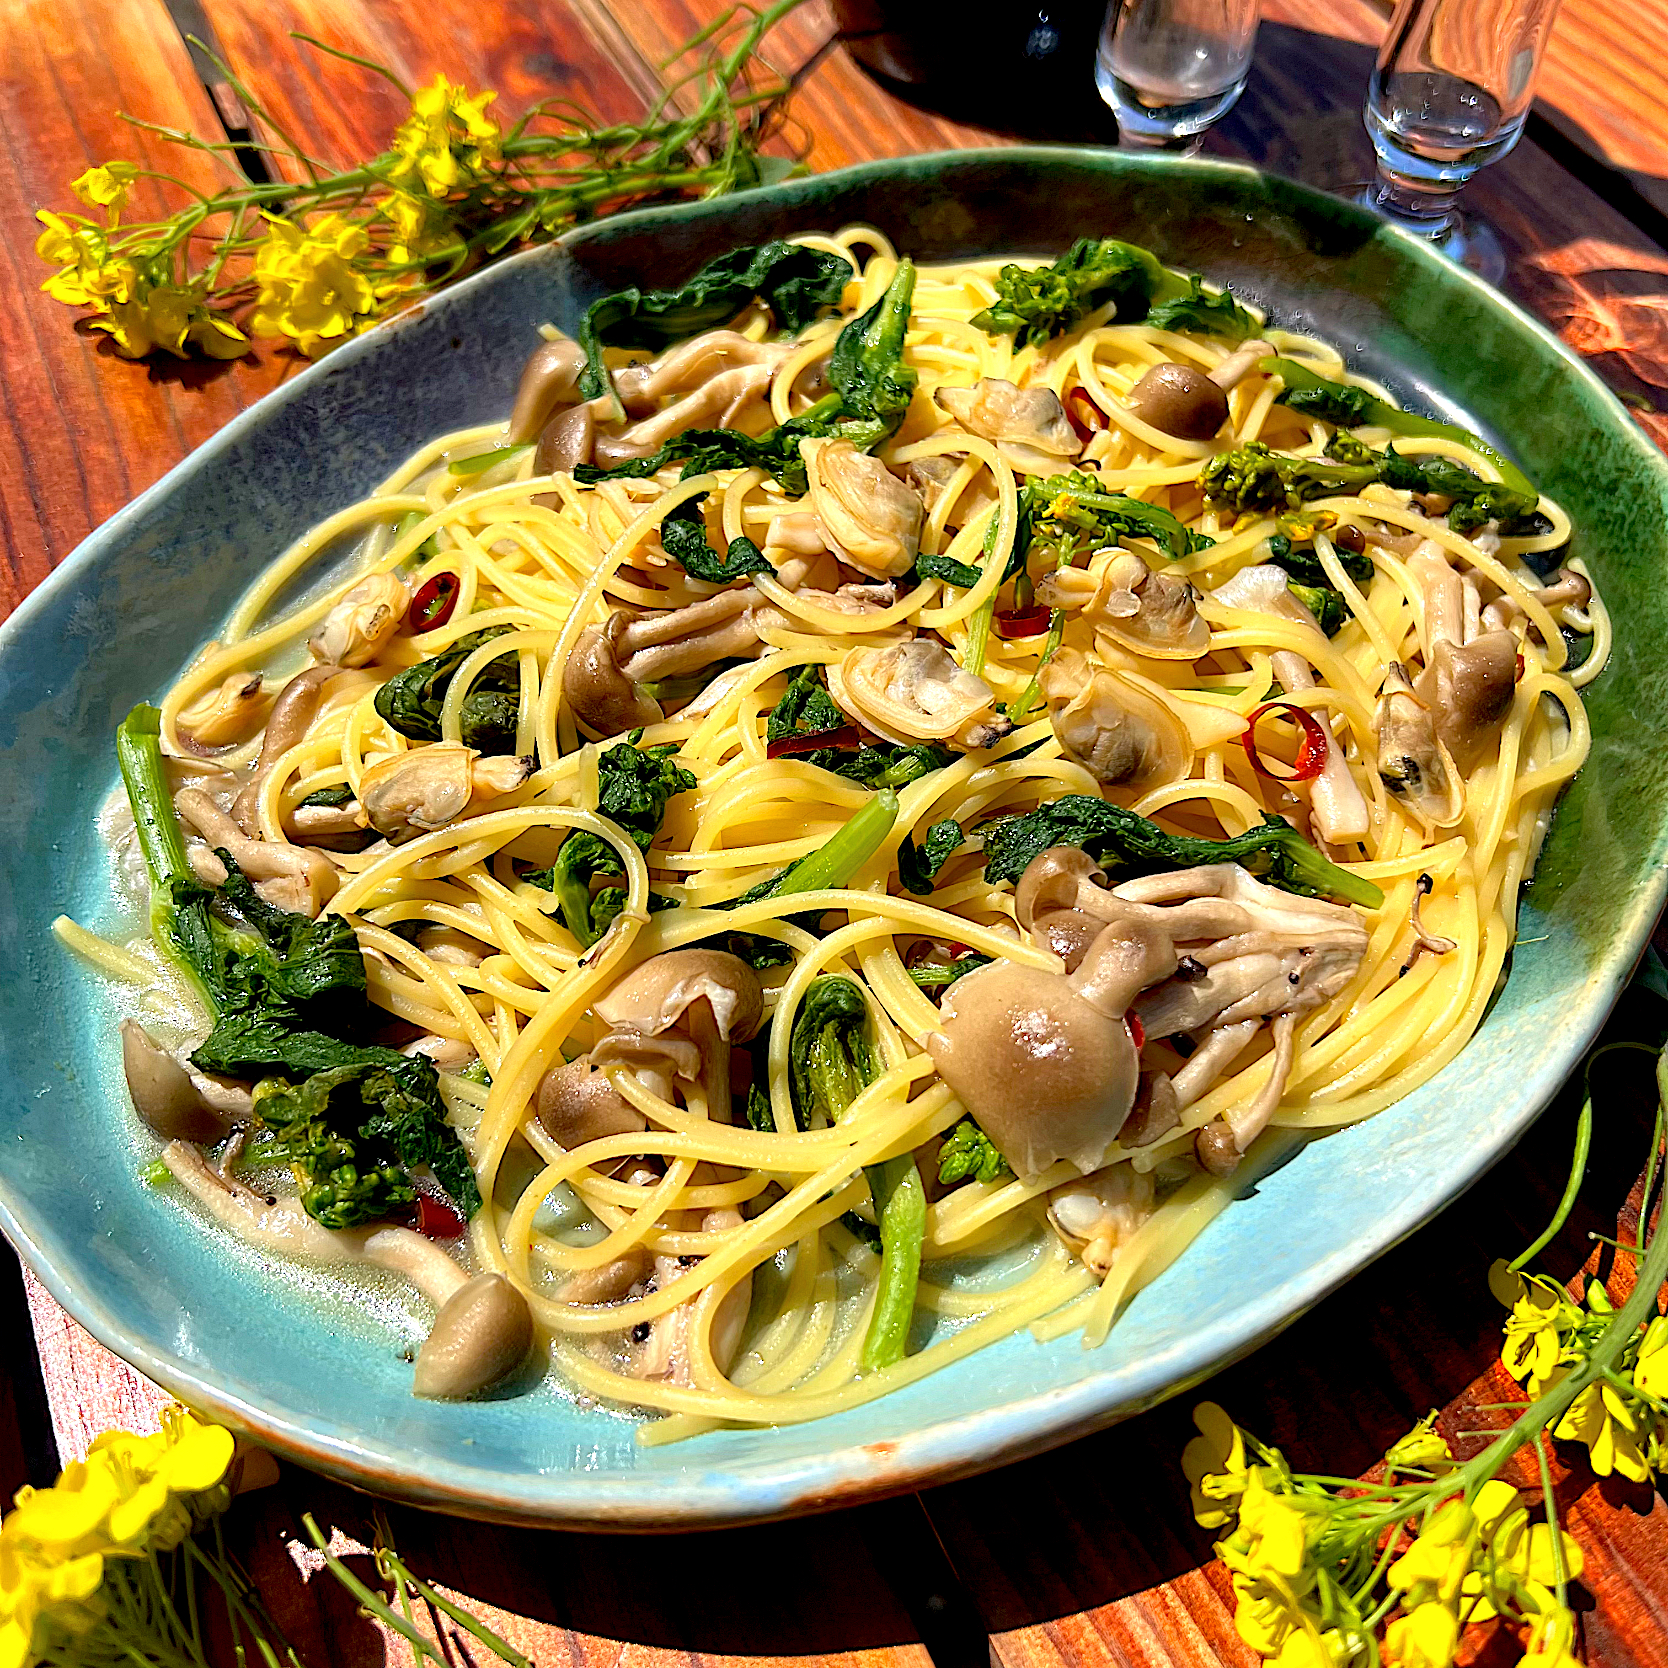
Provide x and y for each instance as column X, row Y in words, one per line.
column 1268, row 1555
column 1422, row 1449
column 106, row 186
column 1650, row 1370
column 309, row 288
column 1435, row 1566
column 1214, row 1464
column 448, row 141
column 1540, row 1316
column 1550, row 1641
column 1615, row 1430
column 1426, row 1637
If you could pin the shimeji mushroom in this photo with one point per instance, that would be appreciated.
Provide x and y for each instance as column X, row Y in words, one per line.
column 1028, row 425
column 676, row 1015
column 300, row 879
column 483, row 1328
column 165, row 1095
column 578, row 1103
column 430, row 787
column 1047, row 1063
column 286, row 727
column 1189, row 403
column 601, row 679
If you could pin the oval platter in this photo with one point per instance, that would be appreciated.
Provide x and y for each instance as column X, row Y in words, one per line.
column 318, row 1374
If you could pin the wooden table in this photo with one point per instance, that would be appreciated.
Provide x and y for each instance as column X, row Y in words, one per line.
column 1088, row 1555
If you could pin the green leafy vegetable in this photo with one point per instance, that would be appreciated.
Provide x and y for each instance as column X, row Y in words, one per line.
column 757, row 1109
column 936, row 565
column 918, row 865
column 1326, row 604
column 794, row 281
column 1350, row 407
column 830, row 1064
column 1251, row 477
column 333, row 798
column 634, row 785
column 1068, row 513
column 939, row 975
column 1210, row 315
column 1305, row 566
column 1129, row 845
column 968, row 1154
column 683, row 532
column 411, row 700
column 872, row 390
column 836, row 860
column 1034, row 303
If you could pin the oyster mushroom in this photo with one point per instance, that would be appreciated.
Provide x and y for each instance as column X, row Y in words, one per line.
column 1098, row 1214
column 231, row 714
column 716, row 403
column 869, row 517
column 286, row 727
column 1029, row 425
column 1413, row 763
column 164, row 1094
column 1123, row 736
column 565, row 442
column 703, row 999
column 611, row 1281
column 915, row 691
column 297, row 878
column 429, row 788
column 1150, row 614
column 474, row 1349
column 693, row 364
column 361, row 623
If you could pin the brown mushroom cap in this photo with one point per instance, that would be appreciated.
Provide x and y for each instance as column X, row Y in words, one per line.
column 482, row 1333
column 549, row 378
column 1469, row 691
column 1052, row 880
column 163, row 1094
column 1046, row 1074
column 601, row 695
column 566, row 441
column 577, row 1103
column 1068, row 933
column 611, row 1281
column 1179, row 400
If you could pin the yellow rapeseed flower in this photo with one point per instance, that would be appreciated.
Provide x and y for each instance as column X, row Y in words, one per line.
column 1615, row 1429
column 1540, row 1316
column 308, row 286
column 1650, row 1370
column 1551, row 1639
column 1426, row 1637
column 1214, row 1464
column 447, row 143
column 106, row 186
column 1434, row 1568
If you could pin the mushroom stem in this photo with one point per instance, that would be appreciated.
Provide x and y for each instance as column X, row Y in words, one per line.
column 1240, row 363
column 286, row 725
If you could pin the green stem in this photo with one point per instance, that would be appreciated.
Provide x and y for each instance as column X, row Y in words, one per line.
column 139, row 753
column 1560, row 1570
column 840, row 857
column 1018, row 711
column 900, row 1200
column 1578, row 1171
column 373, row 1604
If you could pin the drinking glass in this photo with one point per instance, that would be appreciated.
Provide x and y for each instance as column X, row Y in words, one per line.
column 1169, row 68
column 1449, row 95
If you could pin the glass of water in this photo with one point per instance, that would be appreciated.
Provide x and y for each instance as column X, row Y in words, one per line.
column 1449, row 95
column 1169, row 68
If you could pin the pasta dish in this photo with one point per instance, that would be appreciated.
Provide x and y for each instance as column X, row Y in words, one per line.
column 845, row 830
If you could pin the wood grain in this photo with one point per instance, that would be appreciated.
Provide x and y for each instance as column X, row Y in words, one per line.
column 1087, row 1556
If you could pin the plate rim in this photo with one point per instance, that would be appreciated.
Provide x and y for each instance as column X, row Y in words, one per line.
column 937, row 1451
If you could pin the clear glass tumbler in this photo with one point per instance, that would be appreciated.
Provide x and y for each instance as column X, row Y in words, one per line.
column 1449, row 95
column 1169, row 68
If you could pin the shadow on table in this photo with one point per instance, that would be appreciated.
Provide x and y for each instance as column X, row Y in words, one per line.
column 1076, row 1530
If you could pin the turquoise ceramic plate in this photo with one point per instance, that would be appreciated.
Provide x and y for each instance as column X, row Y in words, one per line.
column 318, row 1376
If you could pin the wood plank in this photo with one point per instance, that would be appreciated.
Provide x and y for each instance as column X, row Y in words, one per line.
column 82, row 431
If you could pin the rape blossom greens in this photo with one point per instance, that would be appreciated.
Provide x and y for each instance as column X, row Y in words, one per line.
column 315, row 261
column 1328, row 1572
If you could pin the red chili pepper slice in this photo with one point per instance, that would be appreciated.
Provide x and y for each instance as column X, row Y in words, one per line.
column 1137, row 1031
column 433, row 604
column 1311, row 756
column 1022, row 622
column 436, row 1219
column 845, row 739
column 1084, row 415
